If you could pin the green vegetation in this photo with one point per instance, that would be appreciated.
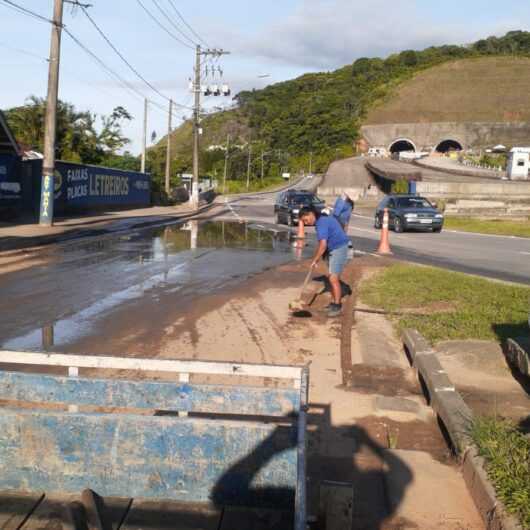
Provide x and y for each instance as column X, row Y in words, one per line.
column 240, row 186
column 503, row 227
column 315, row 118
column 79, row 139
column 506, row 451
column 445, row 305
column 322, row 113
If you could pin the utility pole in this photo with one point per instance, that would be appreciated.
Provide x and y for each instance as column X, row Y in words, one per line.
column 262, row 168
column 311, row 162
column 199, row 53
column 249, row 162
column 48, row 165
column 226, row 162
column 144, row 138
column 168, row 148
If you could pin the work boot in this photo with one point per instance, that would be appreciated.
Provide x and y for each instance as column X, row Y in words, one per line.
column 334, row 310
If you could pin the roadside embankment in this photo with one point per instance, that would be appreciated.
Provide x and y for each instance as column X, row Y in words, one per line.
column 463, row 361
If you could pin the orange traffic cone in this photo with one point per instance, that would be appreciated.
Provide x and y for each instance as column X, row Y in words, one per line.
column 301, row 230
column 384, row 245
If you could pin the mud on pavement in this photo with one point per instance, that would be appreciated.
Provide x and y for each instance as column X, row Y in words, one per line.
column 368, row 422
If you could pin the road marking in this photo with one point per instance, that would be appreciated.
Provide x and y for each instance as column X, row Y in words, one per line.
column 483, row 235
column 236, row 215
column 526, row 253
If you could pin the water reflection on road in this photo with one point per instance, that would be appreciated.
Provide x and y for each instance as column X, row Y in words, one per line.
column 51, row 306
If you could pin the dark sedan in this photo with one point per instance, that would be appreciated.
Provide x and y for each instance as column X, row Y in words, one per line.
column 289, row 203
column 409, row 212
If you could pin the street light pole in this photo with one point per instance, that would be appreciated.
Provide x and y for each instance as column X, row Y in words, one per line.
column 50, row 130
column 249, row 162
column 144, row 137
column 168, row 148
column 226, row 162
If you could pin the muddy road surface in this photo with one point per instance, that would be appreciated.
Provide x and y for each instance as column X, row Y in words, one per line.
column 99, row 295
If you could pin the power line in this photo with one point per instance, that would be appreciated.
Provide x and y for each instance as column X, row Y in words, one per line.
column 170, row 20
column 187, row 25
column 23, row 52
column 131, row 67
column 28, row 12
column 158, row 23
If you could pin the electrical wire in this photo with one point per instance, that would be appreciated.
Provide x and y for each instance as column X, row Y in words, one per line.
column 121, row 56
column 170, row 20
column 23, row 52
column 186, row 23
column 158, row 23
column 25, row 11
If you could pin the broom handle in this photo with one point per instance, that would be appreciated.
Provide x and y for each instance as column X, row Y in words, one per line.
column 307, row 278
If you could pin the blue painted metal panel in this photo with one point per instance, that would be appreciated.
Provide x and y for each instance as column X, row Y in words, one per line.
column 149, row 395
column 81, row 187
column 10, row 184
column 181, row 459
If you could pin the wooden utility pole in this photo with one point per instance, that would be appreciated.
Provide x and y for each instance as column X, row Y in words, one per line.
column 168, row 148
column 226, row 162
column 199, row 53
column 262, row 167
column 194, row 197
column 249, row 162
column 144, row 137
column 50, row 130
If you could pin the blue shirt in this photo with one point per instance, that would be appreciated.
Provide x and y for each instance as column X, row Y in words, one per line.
column 329, row 230
column 342, row 211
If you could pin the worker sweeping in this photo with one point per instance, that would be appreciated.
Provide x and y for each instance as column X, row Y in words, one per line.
column 332, row 239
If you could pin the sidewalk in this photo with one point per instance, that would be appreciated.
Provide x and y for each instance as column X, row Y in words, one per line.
column 27, row 234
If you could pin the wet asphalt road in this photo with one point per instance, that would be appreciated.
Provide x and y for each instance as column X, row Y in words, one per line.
column 87, row 293
column 499, row 257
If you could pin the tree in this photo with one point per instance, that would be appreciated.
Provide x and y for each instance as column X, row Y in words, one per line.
column 78, row 137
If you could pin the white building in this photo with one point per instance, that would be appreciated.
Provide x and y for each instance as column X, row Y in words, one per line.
column 518, row 163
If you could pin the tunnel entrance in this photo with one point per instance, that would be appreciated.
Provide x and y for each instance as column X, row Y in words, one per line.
column 401, row 146
column 448, row 145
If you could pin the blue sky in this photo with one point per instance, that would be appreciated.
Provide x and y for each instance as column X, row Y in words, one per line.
column 283, row 38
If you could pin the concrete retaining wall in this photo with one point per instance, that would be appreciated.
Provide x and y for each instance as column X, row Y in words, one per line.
column 426, row 136
column 475, row 190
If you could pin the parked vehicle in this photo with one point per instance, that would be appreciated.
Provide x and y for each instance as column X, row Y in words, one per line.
column 409, row 212
column 289, row 203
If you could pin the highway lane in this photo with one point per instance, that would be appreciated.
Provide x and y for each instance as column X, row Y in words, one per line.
column 499, row 257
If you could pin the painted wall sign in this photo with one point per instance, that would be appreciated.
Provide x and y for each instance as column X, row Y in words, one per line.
column 80, row 186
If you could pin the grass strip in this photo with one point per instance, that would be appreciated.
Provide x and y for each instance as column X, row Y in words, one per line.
column 446, row 305
column 506, row 451
column 240, row 186
column 501, row 227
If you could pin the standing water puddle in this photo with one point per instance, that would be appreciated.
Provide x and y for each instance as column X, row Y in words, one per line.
column 84, row 284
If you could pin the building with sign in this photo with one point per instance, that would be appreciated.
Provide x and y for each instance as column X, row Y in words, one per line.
column 78, row 187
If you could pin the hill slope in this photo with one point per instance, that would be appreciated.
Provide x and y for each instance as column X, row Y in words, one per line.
column 322, row 113
column 486, row 89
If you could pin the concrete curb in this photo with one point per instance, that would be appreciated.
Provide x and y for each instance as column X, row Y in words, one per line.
column 489, row 506
column 518, row 355
column 77, row 235
column 457, row 417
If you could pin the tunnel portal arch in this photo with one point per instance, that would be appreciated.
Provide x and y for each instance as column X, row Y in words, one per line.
column 402, row 145
column 448, row 145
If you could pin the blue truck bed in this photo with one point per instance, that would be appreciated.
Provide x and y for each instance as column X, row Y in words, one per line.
column 223, row 445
